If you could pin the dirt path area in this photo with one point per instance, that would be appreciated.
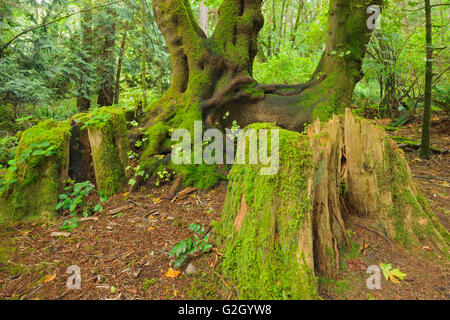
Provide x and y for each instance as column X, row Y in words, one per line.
column 123, row 252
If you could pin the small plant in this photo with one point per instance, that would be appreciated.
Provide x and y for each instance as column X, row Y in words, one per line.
column 148, row 283
column 138, row 172
column 235, row 129
column 162, row 177
column 70, row 224
column 132, row 155
column 391, row 274
column 8, row 145
column 96, row 118
column 74, row 200
column 187, row 247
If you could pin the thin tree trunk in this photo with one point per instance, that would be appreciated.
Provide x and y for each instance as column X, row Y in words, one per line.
column 119, row 66
column 84, row 85
column 426, row 123
column 143, row 56
column 297, row 23
column 269, row 37
column 107, row 62
column 280, row 31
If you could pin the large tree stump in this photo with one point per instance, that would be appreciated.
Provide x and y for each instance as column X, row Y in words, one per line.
column 109, row 145
column 42, row 160
column 279, row 231
column 53, row 151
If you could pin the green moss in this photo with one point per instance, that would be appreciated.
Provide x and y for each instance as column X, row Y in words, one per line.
column 412, row 216
column 262, row 258
column 40, row 177
column 156, row 135
column 148, row 283
column 201, row 176
column 110, row 145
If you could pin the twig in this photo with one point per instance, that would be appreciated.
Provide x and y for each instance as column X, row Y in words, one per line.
column 31, row 292
column 374, row 231
column 228, row 287
column 431, row 178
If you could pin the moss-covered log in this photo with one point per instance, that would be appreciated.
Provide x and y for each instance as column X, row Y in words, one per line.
column 278, row 231
column 41, row 166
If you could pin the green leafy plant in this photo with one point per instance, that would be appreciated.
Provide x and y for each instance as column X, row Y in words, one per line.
column 35, row 149
column 75, row 199
column 190, row 246
column 138, row 172
column 162, row 177
column 391, row 274
column 96, row 118
column 70, row 224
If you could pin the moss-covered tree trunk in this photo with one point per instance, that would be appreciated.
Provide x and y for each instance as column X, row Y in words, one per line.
column 213, row 76
column 279, row 231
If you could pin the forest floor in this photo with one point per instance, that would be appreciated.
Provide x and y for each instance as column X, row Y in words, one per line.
column 123, row 252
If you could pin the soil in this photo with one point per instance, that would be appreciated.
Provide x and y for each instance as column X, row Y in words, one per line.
column 125, row 253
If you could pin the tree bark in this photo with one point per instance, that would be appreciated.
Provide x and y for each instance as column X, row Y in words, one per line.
column 84, row 85
column 143, row 55
column 107, row 61
column 297, row 23
column 119, row 66
column 424, row 151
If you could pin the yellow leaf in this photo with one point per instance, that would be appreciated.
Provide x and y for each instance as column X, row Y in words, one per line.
column 151, row 229
column 171, row 273
column 175, row 293
column 49, row 278
column 393, row 279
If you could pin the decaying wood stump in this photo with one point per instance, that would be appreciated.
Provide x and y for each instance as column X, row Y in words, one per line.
column 109, row 145
column 279, row 231
column 42, row 162
column 52, row 151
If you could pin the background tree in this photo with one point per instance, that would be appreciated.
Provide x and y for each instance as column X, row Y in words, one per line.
column 426, row 122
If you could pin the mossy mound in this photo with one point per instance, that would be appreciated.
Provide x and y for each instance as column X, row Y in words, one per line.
column 266, row 225
column 42, row 160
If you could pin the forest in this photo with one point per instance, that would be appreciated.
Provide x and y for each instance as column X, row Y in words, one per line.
column 224, row 150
